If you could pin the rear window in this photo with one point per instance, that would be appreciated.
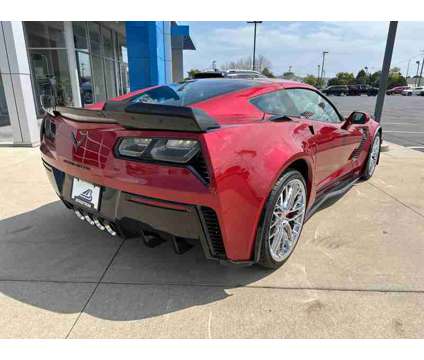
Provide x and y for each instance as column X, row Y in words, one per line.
column 191, row 91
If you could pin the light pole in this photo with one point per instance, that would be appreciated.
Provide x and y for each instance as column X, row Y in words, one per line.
column 255, row 23
column 322, row 66
column 421, row 72
column 366, row 74
column 318, row 84
column 391, row 35
column 418, row 69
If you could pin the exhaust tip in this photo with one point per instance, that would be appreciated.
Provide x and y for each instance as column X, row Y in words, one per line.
column 110, row 230
column 79, row 215
column 89, row 219
column 99, row 224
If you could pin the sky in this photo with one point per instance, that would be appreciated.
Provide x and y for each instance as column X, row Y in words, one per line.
column 351, row 45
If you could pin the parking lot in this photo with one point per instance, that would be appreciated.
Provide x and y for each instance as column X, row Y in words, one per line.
column 402, row 121
column 357, row 270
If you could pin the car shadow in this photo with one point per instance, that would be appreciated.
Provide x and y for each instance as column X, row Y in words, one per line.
column 52, row 260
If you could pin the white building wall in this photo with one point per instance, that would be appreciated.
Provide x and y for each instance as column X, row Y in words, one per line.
column 15, row 73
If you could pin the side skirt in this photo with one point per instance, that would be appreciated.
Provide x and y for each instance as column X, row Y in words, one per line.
column 339, row 189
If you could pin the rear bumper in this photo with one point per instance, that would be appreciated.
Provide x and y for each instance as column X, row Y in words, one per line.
column 132, row 213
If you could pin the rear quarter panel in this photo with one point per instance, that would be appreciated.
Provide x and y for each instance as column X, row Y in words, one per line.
column 247, row 160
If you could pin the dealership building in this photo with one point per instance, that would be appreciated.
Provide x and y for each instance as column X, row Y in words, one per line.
column 80, row 63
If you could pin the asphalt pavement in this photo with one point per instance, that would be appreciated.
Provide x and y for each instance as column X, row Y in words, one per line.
column 402, row 120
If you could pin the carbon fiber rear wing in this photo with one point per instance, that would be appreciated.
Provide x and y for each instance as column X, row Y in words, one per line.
column 143, row 116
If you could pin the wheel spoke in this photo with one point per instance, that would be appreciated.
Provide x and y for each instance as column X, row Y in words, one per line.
column 287, row 219
column 276, row 242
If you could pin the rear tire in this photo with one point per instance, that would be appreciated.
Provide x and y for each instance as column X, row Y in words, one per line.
column 282, row 220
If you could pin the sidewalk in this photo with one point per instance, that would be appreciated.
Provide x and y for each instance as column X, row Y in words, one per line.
column 357, row 270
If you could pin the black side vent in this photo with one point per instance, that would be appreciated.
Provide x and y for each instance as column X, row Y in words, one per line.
column 199, row 165
column 355, row 154
column 214, row 232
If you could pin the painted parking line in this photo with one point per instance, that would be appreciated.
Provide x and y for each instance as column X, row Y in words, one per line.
column 404, row 132
column 396, row 123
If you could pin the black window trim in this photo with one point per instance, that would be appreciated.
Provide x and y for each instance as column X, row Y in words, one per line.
column 341, row 118
column 252, row 85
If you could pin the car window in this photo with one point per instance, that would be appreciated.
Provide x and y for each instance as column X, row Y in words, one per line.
column 276, row 103
column 312, row 105
column 192, row 91
column 298, row 103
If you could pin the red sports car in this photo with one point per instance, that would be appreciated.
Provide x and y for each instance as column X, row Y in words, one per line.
column 236, row 165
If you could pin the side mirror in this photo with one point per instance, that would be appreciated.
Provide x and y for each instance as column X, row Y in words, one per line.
column 357, row 117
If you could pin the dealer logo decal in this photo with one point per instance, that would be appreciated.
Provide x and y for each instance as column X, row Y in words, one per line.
column 87, row 195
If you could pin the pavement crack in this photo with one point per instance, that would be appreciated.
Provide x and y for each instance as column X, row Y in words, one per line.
column 95, row 288
column 396, row 199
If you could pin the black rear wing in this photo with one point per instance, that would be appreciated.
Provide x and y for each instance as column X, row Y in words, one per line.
column 143, row 116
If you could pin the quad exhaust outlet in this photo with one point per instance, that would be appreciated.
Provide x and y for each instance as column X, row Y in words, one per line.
column 95, row 221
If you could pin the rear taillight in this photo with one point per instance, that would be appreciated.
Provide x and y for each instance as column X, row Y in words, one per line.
column 179, row 151
column 48, row 128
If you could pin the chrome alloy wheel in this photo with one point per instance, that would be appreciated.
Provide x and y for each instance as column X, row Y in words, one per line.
column 372, row 161
column 287, row 220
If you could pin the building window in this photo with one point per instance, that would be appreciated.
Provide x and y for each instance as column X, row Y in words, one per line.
column 100, row 55
column 46, row 34
column 48, row 61
column 84, row 75
column 4, row 114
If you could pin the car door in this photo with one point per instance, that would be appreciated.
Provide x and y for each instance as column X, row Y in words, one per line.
column 334, row 143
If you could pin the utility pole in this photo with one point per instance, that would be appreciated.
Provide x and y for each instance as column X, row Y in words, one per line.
column 322, row 66
column 418, row 69
column 407, row 69
column 254, row 41
column 214, row 65
column 391, row 36
column 421, row 72
column 290, row 67
column 318, row 82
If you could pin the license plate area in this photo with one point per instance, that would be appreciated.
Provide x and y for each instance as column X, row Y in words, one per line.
column 85, row 193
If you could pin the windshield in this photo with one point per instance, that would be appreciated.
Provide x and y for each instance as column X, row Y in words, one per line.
column 192, row 91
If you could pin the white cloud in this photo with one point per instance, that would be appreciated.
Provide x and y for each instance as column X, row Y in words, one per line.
column 351, row 45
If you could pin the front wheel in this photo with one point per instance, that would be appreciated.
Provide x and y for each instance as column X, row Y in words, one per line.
column 283, row 219
column 373, row 156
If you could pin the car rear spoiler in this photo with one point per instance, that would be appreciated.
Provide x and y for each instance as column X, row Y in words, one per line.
column 143, row 116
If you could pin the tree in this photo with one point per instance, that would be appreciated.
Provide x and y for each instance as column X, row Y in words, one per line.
column 395, row 79
column 342, row 78
column 289, row 75
column 192, row 72
column 267, row 72
column 361, row 77
column 261, row 62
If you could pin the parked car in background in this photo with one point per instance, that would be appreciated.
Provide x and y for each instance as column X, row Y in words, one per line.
column 233, row 74
column 397, row 90
column 372, row 91
column 337, row 90
column 407, row 92
column 419, row 91
column 359, row 89
column 234, row 165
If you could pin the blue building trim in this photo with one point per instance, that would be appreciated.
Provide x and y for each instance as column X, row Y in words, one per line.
column 149, row 53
